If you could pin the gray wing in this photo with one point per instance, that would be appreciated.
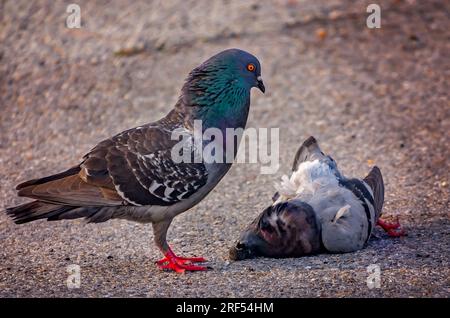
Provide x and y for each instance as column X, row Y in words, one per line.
column 138, row 162
column 310, row 151
column 375, row 181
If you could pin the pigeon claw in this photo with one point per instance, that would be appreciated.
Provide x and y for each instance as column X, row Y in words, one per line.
column 180, row 264
column 388, row 226
column 392, row 229
column 181, row 268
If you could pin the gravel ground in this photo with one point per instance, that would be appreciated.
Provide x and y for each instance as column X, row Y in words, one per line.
column 371, row 96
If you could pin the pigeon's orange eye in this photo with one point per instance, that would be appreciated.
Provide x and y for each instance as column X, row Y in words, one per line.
column 251, row 67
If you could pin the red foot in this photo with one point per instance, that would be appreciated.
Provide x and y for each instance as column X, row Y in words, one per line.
column 392, row 229
column 180, row 264
column 388, row 226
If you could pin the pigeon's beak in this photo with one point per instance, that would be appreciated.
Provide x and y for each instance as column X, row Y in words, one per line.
column 241, row 251
column 261, row 84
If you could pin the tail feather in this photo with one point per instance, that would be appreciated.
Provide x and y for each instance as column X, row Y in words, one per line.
column 36, row 210
column 63, row 196
column 375, row 181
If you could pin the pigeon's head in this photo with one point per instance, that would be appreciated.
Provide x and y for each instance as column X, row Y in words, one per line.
column 230, row 70
column 237, row 66
column 286, row 229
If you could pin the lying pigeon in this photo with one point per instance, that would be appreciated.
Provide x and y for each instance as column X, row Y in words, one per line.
column 133, row 175
column 316, row 209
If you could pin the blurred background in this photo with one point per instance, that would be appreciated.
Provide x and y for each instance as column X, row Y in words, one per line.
column 371, row 96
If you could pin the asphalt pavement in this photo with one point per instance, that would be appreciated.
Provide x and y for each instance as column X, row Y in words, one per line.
column 370, row 96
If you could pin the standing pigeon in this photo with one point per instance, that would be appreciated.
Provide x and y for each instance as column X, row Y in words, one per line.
column 316, row 209
column 133, row 175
